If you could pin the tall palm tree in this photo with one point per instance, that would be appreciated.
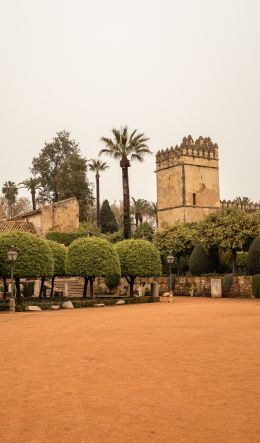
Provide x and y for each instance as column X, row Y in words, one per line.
column 125, row 147
column 243, row 201
column 10, row 192
column 32, row 184
column 97, row 166
column 152, row 211
column 138, row 208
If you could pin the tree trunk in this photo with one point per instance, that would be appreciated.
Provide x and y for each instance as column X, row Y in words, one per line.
column 33, row 199
column 5, row 286
column 18, row 291
column 136, row 220
column 91, row 282
column 131, row 280
column 125, row 164
column 41, row 288
column 98, row 200
column 234, row 261
column 178, row 264
column 84, row 295
column 52, row 286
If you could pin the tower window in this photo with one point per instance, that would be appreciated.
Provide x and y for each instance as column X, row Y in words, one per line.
column 194, row 199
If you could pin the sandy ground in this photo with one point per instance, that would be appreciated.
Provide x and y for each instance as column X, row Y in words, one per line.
column 182, row 372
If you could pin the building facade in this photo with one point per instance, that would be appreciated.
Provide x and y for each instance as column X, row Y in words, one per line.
column 187, row 181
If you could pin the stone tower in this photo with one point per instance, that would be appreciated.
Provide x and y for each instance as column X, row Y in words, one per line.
column 187, row 181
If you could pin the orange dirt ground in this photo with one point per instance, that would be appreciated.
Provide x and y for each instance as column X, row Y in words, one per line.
column 182, row 372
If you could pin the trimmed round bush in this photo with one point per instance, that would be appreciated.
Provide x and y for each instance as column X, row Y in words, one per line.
column 34, row 255
column 200, row 262
column 253, row 257
column 92, row 257
column 59, row 257
column 138, row 258
column 256, row 285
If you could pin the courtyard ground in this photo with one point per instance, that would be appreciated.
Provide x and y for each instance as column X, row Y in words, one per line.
column 182, row 372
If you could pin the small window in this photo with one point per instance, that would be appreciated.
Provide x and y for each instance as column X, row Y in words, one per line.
column 194, row 199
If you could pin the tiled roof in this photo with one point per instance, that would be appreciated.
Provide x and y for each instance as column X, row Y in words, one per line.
column 7, row 226
column 2, row 213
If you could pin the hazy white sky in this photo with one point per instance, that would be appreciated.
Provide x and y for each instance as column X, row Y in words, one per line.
column 167, row 67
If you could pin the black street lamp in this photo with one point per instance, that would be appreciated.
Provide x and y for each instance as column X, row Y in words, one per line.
column 170, row 260
column 12, row 257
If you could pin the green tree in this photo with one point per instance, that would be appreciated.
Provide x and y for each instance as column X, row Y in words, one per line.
column 97, row 166
column 32, row 184
column 107, row 219
column 10, row 191
column 92, row 257
column 253, row 257
column 243, row 201
column 62, row 172
column 229, row 230
column 179, row 238
column 34, row 257
column 138, row 258
column 200, row 262
column 59, row 259
column 144, row 231
column 125, row 147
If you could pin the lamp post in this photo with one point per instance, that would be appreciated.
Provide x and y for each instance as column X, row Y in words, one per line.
column 170, row 260
column 12, row 257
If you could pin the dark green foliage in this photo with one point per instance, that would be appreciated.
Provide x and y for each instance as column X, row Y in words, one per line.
column 92, row 257
column 144, row 231
column 200, row 262
column 62, row 172
column 108, row 221
column 34, row 255
column 115, row 236
column 227, row 282
column 66, row 238
column 59, row 256
column 112, row 281
column 253, row 257
column 256, row 285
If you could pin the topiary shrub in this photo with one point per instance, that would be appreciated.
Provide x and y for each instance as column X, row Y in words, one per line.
column 138, row 258
column 200, row 262
column 92, row 257
column 253, row 257
column 34, row 257
column 227, row 282
column 66, row 238
column 256, row 285
column 112, row 281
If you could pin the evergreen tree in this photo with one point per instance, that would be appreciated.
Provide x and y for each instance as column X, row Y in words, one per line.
column 62, row 172
column 107, row 219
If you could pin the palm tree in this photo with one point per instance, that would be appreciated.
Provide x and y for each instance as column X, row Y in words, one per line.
column 97, row 166
column 152, row 211
column 32, row 184
column 138, row 207
column 125, row 147
column 10, row 192
column 242, row 201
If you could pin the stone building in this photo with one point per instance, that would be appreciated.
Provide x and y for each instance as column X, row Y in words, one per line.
column 13, row 225
column 60, row 216
column 187, row 181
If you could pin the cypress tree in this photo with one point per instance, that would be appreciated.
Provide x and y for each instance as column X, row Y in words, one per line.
column 107, row 219
column 253, row 257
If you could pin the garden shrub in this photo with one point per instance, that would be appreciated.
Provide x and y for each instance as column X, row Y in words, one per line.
column 112, row 281
column 256, row 285
column 200, row 262
column 253, row 257
column 66, row 238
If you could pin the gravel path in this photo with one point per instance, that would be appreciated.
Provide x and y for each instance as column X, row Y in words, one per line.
column 182, row 372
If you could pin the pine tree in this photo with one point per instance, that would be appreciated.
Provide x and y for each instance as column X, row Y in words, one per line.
column 107, row 219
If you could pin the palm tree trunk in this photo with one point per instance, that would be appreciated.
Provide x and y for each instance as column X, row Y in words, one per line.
column 124, row 163
column 136, row 220
column 98, row 200
column 33, row 194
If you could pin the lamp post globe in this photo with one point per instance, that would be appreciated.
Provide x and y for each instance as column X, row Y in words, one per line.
column 12, row 255
column 170, row 260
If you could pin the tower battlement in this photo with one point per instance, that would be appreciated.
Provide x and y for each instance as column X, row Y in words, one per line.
column 202, row 148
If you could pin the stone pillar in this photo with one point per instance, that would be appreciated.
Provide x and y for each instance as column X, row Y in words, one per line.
column 216, row 289
column 37, row 285
column 65, row 289
column 155, row 289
